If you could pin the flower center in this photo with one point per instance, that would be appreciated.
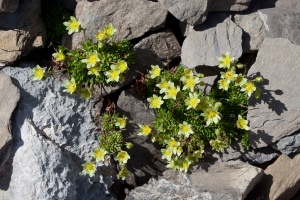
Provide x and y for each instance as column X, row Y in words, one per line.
column 90, row 167
column 74, row 25
column 227, row 61
column 194, row 102
column 211, row 114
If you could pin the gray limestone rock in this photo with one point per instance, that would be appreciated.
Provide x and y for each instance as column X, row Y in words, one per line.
column 281, row 23
column 276, row 113
column 253, row 31
column 157, row 49
column 131, row 18
column 291, row 4
column 281, row 180
column 8, row 5
column 21, row 31
column 9, row 98
column 208, row 41
column 219, row 181
column 145, row 161
column 54, row 134
column 195, row 11
column 289, row 145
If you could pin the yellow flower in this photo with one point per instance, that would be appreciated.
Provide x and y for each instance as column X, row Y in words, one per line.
column 240, row 80
column 100, row 35
column 172, row 144
column 85, row 94
column 155, row 71
column 94, row 70
column 192, row 101
column 172, row 164
column 167, row 154
column 183, row 164
column 249, row 88
column 189, row 82
column 121, row 66
column 109, row 30
column 211, row 115
column 121, row 122
column 225, row 60
column 218, row 145
column 106, row 33
column 171, row 92
column 38, row 73
column 72, row 25
column 70, row 86
column 112, row 75
column 91, row 60
column 223, row 84
column 185, row 129
column 179, row 150
column 155, row 101
column 59, row 56
column 99, row 154
column 229, row 75
column 242, row 123
column 122, row 157
column 145, row 130
column 123, row 173
column 89, row 168
column 164, row 85
column 187, row 72
column 129, row 145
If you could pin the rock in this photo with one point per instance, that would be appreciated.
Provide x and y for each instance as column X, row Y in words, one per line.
column 253, row 31
column 276, row 113
column 195, row 11
column 291, row 4
column 8, row 5
column 21, row 31
column 281, row 180
column 68, row 4
column 145, row 161
column 280, row 23
column 208, row 41
column 210, row 76
column 54, row 134
column 231, row 180
column 157, row 49
column 235, row 151
column 289, row 145
column 185, row 28
column 132, row 19
column 9, row 98
column 259, row 4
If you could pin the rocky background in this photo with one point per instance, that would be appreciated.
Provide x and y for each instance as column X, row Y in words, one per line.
column 45, row 134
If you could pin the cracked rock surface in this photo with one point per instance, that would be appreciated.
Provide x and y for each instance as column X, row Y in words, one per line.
column 53, row 134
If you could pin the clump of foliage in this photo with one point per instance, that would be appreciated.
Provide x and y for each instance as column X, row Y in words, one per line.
column 53, row 16
column 187, row 120
column 96, row 64
column 111, row 144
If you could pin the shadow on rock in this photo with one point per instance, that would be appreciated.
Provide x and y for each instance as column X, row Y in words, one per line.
column 267, row 97
column 18, row 117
